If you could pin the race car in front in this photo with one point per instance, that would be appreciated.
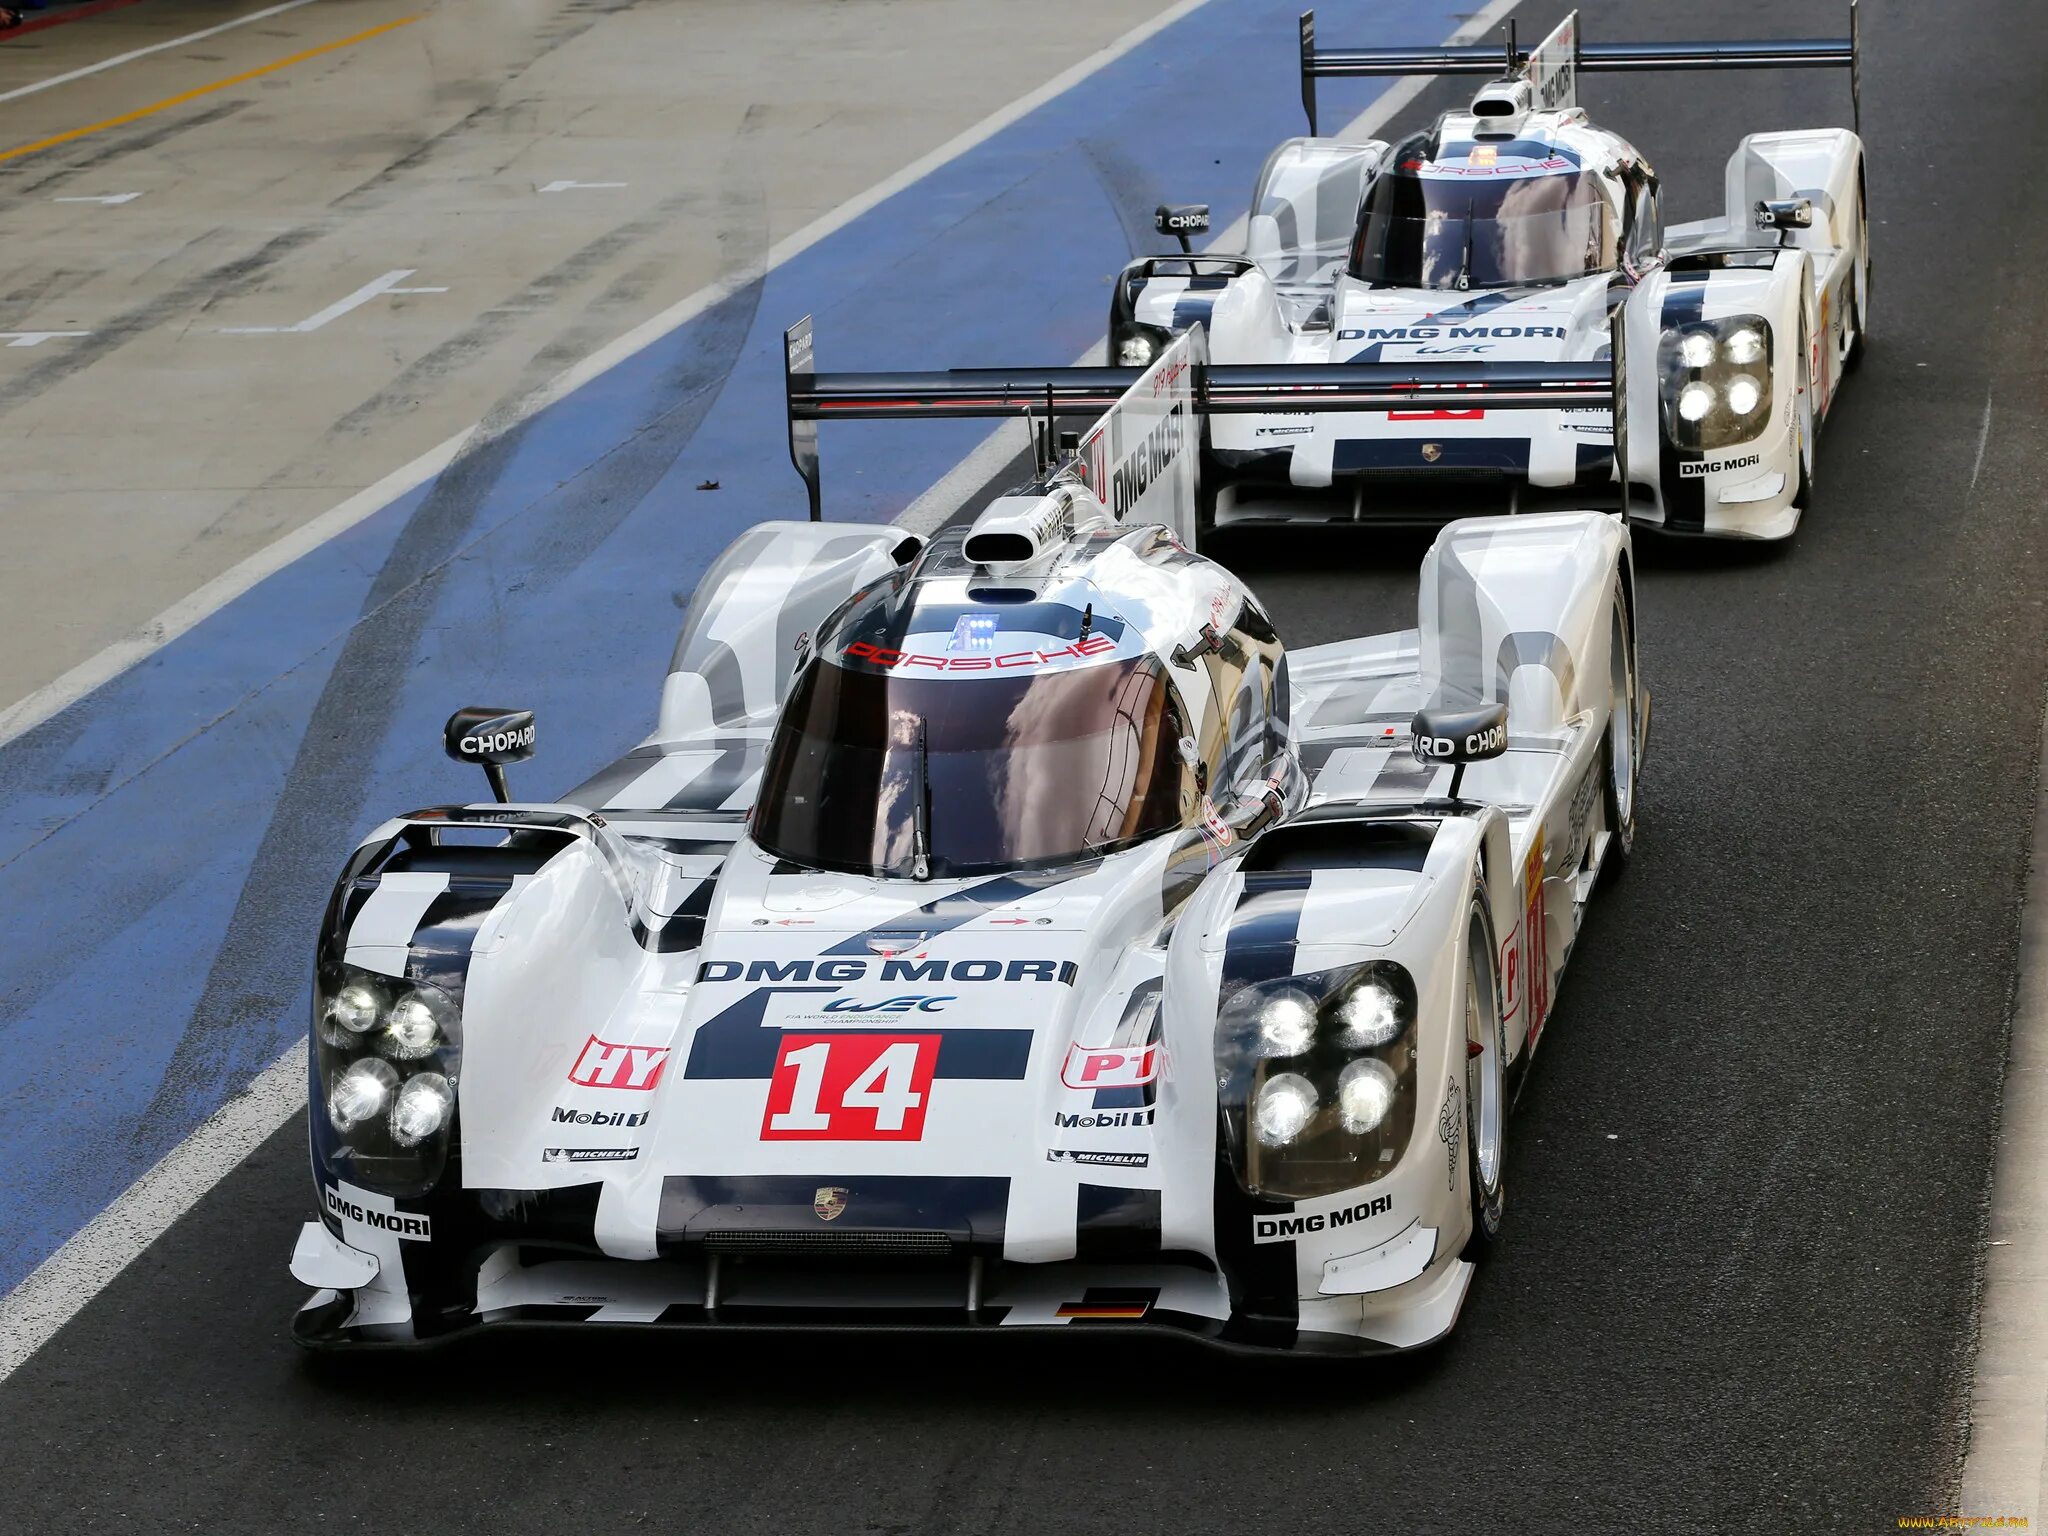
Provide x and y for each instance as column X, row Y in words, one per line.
column 1007, row 932
column 1518, row 231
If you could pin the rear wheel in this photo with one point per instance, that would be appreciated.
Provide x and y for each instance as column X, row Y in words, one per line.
column 1803, row 424
column 1859, row 291
column 1486, row 1101
column 1623, row 746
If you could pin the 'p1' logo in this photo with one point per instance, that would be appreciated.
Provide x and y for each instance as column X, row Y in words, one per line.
column 1110, row 1067
column 604, row 1065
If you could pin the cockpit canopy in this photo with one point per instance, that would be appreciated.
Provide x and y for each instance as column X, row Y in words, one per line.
column 878, row 768
column 1480, row 214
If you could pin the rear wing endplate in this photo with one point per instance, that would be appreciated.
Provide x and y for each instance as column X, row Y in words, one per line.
column 1588, row 58
column 1215, row 390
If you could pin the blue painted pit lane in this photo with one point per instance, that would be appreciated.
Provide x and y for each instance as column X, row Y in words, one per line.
column 166, row 843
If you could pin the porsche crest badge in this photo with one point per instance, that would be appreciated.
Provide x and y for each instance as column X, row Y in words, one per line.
column 1432, row 452
column 830, row 1202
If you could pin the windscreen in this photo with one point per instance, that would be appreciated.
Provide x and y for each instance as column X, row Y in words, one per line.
column 871, row 772
column 1439, row 230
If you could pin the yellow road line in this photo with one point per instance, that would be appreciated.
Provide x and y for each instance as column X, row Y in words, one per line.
column 204, row 90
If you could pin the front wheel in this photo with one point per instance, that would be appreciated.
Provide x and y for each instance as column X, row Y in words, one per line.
column 1803, row 449
column 1486, row 1103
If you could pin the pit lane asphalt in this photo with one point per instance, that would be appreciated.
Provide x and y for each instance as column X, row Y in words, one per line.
column 1748, row 1172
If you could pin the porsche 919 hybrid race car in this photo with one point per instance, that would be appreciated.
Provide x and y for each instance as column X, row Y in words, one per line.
column 1513, row 235
column 1003, row 932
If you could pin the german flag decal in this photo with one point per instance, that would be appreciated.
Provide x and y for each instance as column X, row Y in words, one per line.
column 1104, row 1305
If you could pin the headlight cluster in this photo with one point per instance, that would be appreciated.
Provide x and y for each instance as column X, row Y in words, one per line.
column 387, row 1053
column 1315, row 1076
column 1138, row 346
column 1717, row 381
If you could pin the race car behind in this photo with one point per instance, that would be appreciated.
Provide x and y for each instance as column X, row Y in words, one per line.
column 1518, row 232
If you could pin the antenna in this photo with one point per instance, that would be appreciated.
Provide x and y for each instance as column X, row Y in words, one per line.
column 1514, row 53
column 798, row 366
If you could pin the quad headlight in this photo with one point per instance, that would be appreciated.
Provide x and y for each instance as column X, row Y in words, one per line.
column 1716, row 381
column 1315, row 1078
column 1138, row 346
column 387, row 1053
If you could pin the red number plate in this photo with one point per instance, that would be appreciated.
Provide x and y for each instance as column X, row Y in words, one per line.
column 849, row 1087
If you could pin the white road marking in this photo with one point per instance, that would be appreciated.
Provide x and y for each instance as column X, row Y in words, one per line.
column 103, row 1247
column 1983, row 440
column 388, row 283
column 580, row 186
column 36, row 338
column 27, row 713
column 123, row 58
column 111, row 199
column 69, row 1278
column 2008, row 1456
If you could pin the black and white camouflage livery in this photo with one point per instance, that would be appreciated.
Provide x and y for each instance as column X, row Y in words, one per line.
column 1764, row 306
column 621, row 1060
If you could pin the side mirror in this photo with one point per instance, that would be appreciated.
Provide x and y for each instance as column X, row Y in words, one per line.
column 1785, row 213
column 1182, row 221
column 491, row 738
column 1460, row 736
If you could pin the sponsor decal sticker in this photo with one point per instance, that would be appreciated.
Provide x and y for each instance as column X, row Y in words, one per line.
column 589, row 1154
column 498, row 741
column 416, row 1229
column 914, row 1003
column 600, row 1064
column 1110, row 1067
column 1535, row 940
column 1450, row 1127
column 1446, row 332
column 1100, row 1159
column 1700, row 468
column 1282, row 1229
column 883, row 656
column 1104, row 1311
column 915, row 969
column 621, row 1118
column 1102, row 1119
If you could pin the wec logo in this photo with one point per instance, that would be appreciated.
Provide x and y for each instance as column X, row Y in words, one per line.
column 911, row 1004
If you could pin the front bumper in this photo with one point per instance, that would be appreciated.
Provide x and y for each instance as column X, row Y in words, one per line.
column 515, row 1286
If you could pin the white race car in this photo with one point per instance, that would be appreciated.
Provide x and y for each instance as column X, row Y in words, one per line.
column 1518, row 233
column 1004, row 932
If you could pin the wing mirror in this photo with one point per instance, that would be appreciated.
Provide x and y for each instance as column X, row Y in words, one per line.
column 1460, row 736
column 1181, row 221
column 1785, row 213
column 491, row 738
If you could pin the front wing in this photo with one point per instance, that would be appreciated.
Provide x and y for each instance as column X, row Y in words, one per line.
column 518, row 1288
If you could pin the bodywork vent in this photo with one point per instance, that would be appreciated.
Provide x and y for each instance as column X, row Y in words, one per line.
column 932, row 1245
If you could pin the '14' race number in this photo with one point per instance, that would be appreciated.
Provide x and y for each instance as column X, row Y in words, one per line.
column 849, row 1087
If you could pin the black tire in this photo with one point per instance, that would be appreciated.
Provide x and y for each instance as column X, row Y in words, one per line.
column 1485, row 1090
column 1859, row 293
column 1803, row 456
column 1621, row 754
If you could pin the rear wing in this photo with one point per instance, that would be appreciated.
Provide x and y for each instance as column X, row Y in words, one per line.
column 1551, row 69
column 1046, row 394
